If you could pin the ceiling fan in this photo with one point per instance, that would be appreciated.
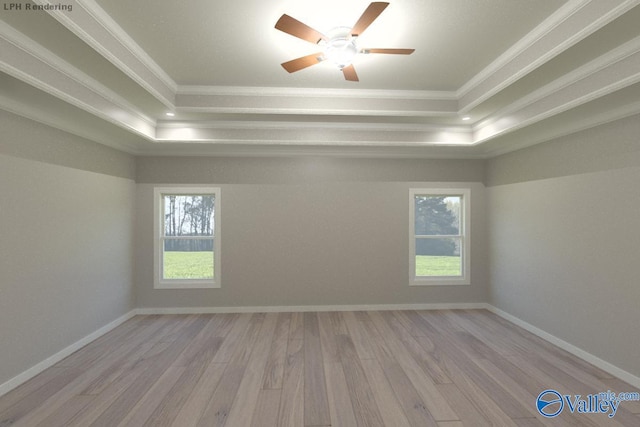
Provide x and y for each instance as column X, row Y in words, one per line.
column 339, row 44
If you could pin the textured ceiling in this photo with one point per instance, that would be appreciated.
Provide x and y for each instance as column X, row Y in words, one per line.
column 522, row 71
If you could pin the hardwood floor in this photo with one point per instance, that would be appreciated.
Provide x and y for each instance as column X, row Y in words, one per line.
column 446, row 368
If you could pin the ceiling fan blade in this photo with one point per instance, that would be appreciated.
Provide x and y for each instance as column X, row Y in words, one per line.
column 389, row 51
column 350, row 73
column 369, row 15
column 296, row 28
column 302, row 62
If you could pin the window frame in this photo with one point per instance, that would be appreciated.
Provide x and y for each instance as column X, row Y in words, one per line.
column 464, row 236
column 158, row 235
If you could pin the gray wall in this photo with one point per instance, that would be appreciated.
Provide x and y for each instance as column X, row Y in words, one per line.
column 310, row 231
column 554, row 235
column 66, row 248
column 564, row 239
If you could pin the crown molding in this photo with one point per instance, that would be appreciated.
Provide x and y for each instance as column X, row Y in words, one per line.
column 316, row 103
column 276, row 125
column 529, row 40
column 30, row 62
column 316, row 92
column 551, row 133
column 355, row 151
column 52, row 120
column 96, row 28
column 572, row 23
column 285, row 133
column 611, row 72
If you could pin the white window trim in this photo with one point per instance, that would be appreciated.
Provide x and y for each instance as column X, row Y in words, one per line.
column 158, row 226
column 465, row 223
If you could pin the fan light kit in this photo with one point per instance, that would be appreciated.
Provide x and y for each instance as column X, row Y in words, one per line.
column 339, row 44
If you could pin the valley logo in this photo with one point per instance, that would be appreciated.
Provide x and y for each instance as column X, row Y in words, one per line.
column 551, row 403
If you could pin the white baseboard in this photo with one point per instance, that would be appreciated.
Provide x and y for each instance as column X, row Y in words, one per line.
column 576, row 351
column 50, row 361
column 307, row 308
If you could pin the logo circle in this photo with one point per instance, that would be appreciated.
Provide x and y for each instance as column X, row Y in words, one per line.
column 549, row 403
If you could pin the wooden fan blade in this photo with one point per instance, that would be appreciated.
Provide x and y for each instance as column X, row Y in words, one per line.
column 370, row 14
column 302, row 62
column 389, row 51
column 350, row 73
column 296, row 28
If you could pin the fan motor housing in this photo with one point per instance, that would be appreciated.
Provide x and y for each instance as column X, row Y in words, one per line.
column 340, row 47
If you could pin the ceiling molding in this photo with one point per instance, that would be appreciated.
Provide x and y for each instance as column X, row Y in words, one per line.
column 550, row 133
column 316, row 92
column 522, row 46
column 315, row 103
column 317, row 134
column 569, row 25
column 376, row 121
column 53, row 120
column 96, row 28
column 30, row 62
column 236, row 150
column 611, row 72
column 271, row 125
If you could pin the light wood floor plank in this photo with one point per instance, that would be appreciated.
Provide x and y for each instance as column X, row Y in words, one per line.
column 390, row 409
column 249, row 389
column 364, row 405
column 488, row 408
column 460, row 351
column 417, row 346
column 316, row 403
column 435, row 402
column 232, row 339
column 196, row 365
column 65, row 396
column 197, row 401
column 274, row 371
column 105, row 399
column 339, row 400
column 296, row 329
column 448, row 368
column 219, row 407
column 27, row 389
column 358, row 336
column 94, row 349
column 154, row 365
column 35, row 400
column 452, row 424
column 414, row 407
column 339, row 325
column 528, row 422
column 468, row 413
column 328, row 339
column 150, row 401
column 266, row 412
column 64, row 414
column 291, row 411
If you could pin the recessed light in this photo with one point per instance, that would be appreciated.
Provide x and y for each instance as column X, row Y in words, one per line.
column 169, row 114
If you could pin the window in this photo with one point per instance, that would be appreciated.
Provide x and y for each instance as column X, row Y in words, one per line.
column 187, row 237
column 439, row 237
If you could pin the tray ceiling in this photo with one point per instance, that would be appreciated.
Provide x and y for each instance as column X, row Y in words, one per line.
column 110, row 71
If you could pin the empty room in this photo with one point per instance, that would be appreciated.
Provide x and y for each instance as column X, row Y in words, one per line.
column 340, row 213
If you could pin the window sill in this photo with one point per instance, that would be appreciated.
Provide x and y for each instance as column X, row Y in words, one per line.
column 186, row 284
column 440, row 281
